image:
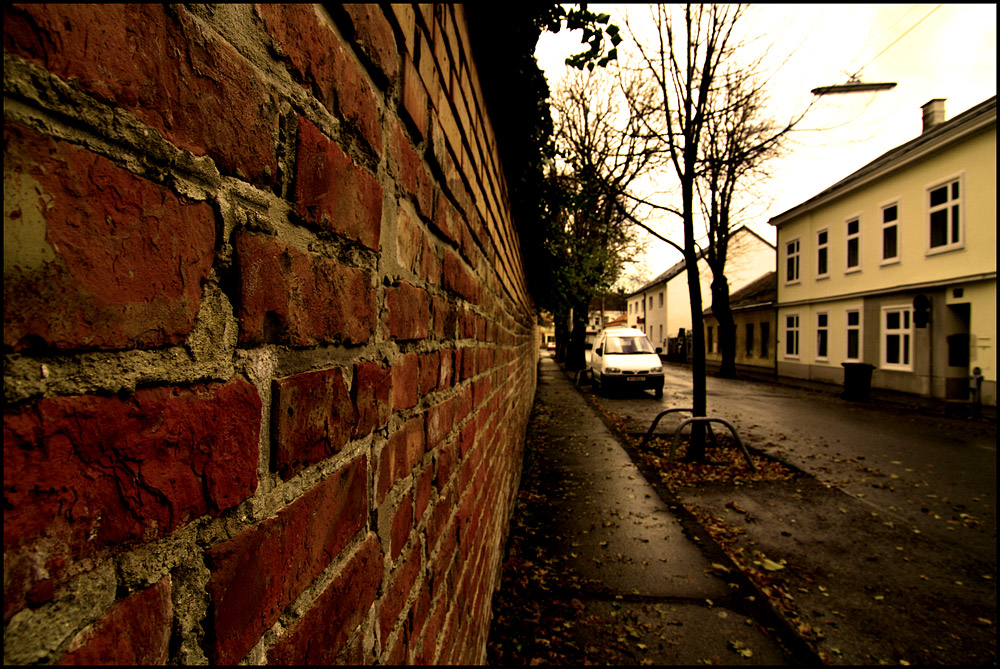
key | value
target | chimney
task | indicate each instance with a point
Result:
(933, 113)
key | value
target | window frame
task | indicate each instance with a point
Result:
(906, 332)
(798, 260)
(847, 339)
(792, 335)
(848, 238)
(897, 203)
(929, 210)
(824, 249)
(825, 339)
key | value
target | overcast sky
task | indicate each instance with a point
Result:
(929, 51)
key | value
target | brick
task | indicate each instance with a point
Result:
(404, 450)
(320, 636)
(430, 371)
(319, 59)
(157, 73)
(408, 312)
(95, 257)
(423, 495)
(333, 192)
(371, 395)
(259, 572)
(404, 382)
(440, 418)
(401, 526)
(409, 241)
(398, 591)
(447, 369)
(470, 359)
(373, 35)
(313, 418)
(134, 631)
(86, 473)
(426, 651)
(415, 98)
(299, 299)
(443, 317)
(446, 459)
(413, 175)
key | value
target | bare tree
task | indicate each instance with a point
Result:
(600, 154)
(738, 142)
(682, 63)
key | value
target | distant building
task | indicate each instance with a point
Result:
(895, 265)
(753, 308)
(662, 308)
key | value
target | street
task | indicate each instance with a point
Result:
(891, 540)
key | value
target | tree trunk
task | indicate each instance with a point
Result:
(723, 313)
(562, 336)
(576, 355)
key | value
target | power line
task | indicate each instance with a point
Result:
(897, 40)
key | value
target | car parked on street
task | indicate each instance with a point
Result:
(625, 358)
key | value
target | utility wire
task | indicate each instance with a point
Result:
(896, 40)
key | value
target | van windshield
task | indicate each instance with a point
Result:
(626, 345)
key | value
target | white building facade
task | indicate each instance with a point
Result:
(895, 266)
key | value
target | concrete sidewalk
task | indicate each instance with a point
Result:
(648, 579)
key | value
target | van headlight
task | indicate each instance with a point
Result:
(612, 370)
(656, 370)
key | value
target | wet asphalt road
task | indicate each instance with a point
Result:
(917, 468)
(897, 522)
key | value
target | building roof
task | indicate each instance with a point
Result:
(679, 267)
(969, 121)
(759, 293)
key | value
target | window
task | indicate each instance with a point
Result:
(822, 336)
(853, 336)
(661, 298)
(650, 301)
(792, 261)
(749, 338)
(661, 331)
(854, 244)
(945, 204)
(896, 338)
(822, 254)
(765, 339)
(890, 233)
(792, 335)
(708, 339)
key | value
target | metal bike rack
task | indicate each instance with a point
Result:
(697, 419)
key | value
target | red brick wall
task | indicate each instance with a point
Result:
(268, 346)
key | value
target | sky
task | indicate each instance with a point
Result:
(929, 51)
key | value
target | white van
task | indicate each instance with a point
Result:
(624, 357)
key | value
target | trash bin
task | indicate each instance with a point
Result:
(857, 381)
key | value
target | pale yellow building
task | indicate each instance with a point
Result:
(662, 307)
(909, 235)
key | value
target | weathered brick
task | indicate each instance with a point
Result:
(404, 450)
(393, 601)
(313, 417)
(409, 240)
(259, 572)
(413, 175)
(415, 98)
(300, 299)
(371, 395)
(446, 459)
(408, 311)
(157, 73)
(320, 60)
(134, 631)
(430, 371)
(87, 473)
(440, 419)
(320, 635)
(404, 382)
(447, 369)
(95, 257)
(373, 34)
(333, 192)
(401, 526)
(423, 495)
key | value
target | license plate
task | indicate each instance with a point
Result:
(637, 378)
